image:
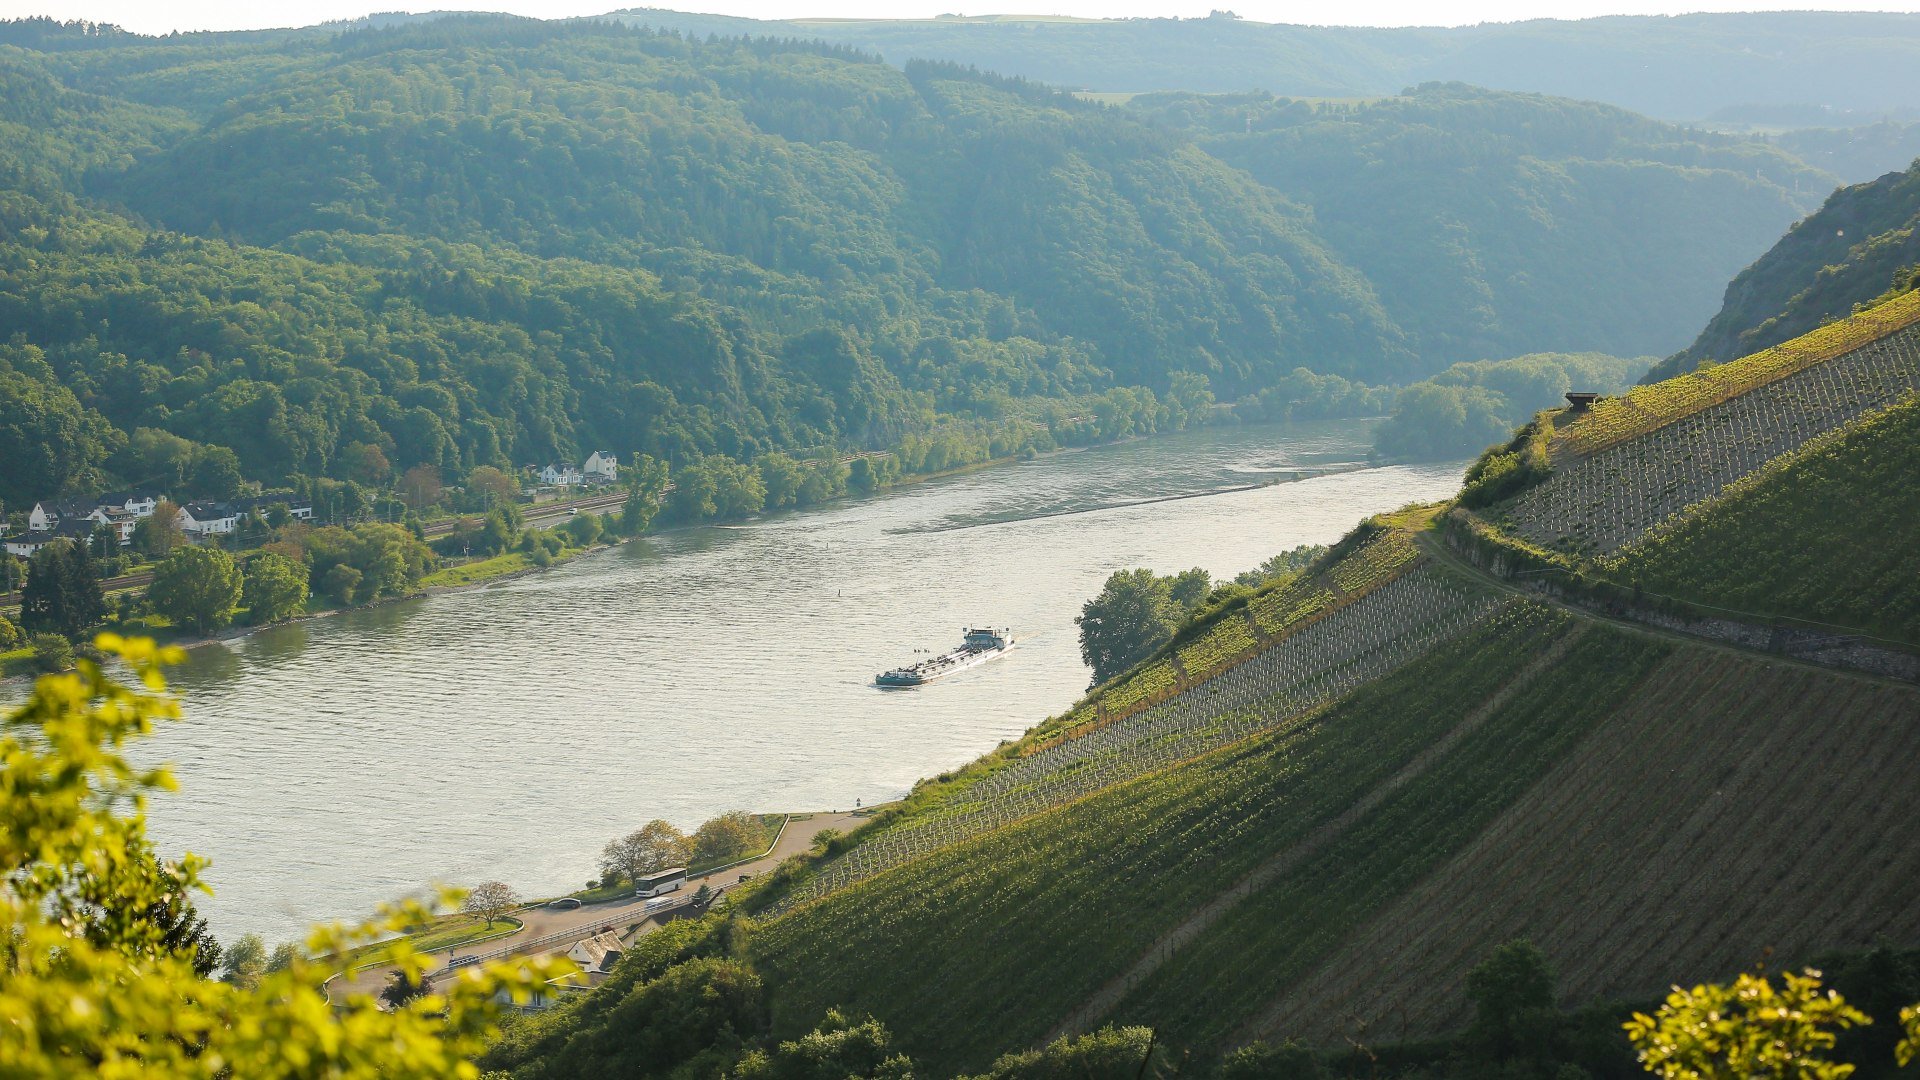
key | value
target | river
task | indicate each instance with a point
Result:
(508, 732)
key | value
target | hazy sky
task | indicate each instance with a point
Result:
(158, 16)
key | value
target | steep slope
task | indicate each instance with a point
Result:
(1481, 216)
(1848, 253)
(1320, 806)
(1270, 887)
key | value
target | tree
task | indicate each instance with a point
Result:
(404, 988)
(1133, 615)
(183, 931)
(1107, 1054)
(1748, 1029)
(157, 534)
(341, 583)
(216, 473)
(837, 1049)
(1262, 1061)
(488, 487)
(1285, 564)
(197, 587)
(246, 961)
(10, 636)
(646, 486)
(275, 589)
(284, 956)
(420, 486)
(1512, 995)
(1189, 587)
(490, 900)
(62, 594)
(366, 463)
(583, 529)
(655, 846)
(51, 652)
(725, 838)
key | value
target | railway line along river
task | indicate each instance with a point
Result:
(508, 732)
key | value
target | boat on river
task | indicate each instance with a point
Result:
(977, 647)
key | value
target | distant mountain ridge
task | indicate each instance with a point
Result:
(1857, 66)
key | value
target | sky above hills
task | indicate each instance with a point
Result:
(146, 16)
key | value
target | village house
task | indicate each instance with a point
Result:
(601, 468)
(204, 519)
(561, 476)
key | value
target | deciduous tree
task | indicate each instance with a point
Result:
(197, 587)
(725, 838)
(652, 847)
(490, 900)
(1133, 615)
(276, 588)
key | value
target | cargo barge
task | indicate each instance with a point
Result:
(977, 647)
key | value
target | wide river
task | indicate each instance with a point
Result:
(508, 732)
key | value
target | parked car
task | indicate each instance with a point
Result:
(565, 903)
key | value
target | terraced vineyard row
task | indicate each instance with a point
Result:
(1670, 846)
(1388, 627)
(1595, 505)
(1615, 419)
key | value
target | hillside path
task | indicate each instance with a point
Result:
(1163, 948)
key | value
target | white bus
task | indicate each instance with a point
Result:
(663, 881)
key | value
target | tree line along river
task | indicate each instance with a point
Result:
(509, 731)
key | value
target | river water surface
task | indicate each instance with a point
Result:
(508, 732)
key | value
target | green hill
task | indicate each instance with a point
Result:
(1321, 806)
(1486, 219)
(1859, 244)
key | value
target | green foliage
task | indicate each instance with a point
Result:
(1823, 534)
(1281, 566)
(10, 635)
(51, 652)
(1513, 1007)
(583, 529)
(1470, 406)
(839, 1049)
(276, 588)
(1504, 471)
(197, 587)
(62, 594)
(726, 837)
(97, 985)
(1746, 1029)
(1134, 614)
(1111, 1053)
(1262, 1061)
(51, 443)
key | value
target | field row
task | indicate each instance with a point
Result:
(1671, 846)
(1598, 504)
(1645, 408)
(1366, 639)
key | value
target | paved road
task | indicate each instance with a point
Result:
(541, 922)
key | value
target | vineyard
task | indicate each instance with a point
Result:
(1766, 545)
(1613, 420)
(986, 943)
(1218, 985)
(1597, 504)
(1732, 806)
(1368, 638)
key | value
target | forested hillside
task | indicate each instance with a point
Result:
(1863, 242)
(492, 241)
(472, 241)
(1486, 220)
(1844, 67)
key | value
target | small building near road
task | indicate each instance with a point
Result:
(601, 468)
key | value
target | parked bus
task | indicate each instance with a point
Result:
(664, 881)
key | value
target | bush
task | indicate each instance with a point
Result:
(10, 636)
(51, 652)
